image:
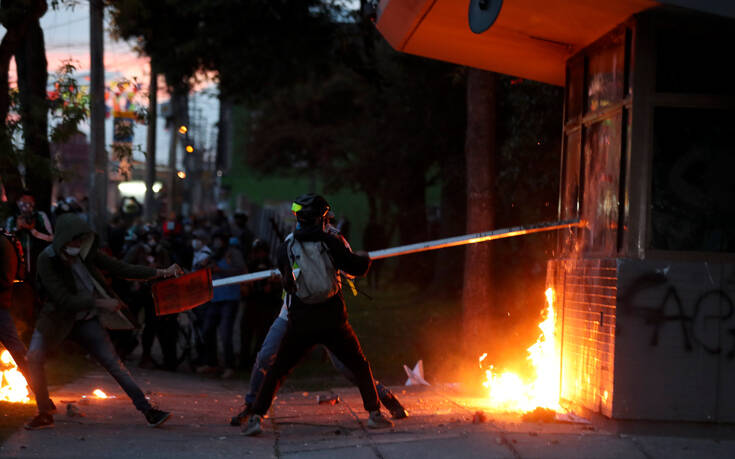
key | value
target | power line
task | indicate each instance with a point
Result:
(64, 24)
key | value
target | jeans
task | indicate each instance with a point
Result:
(92, 337)
(10, 339)
(267, 355)
(220, 315)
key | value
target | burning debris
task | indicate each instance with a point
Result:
(508, 392)
(13, 386)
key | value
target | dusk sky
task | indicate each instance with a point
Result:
(66, 32)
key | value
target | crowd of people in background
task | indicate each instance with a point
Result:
(83, 284)
(220, 242)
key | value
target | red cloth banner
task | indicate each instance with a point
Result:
(182, 293)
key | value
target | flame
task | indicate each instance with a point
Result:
(99, 394)
(13, 386)
(509, 392)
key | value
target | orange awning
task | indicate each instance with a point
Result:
(530, 38)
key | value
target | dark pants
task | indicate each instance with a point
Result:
(220, 315)
(298, 341)
(9, 338)
(259, 313)
(267, 355)
(166, 329)
(93, 338)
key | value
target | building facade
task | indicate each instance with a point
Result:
(646, 289)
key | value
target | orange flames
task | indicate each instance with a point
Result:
(13, 386)
(509, 392)
(99, 394)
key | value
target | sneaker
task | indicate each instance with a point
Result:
(378, 421)
(156, 417)
(229, 373)
(238, 419)
(253, 426)
(397, 411)
(41, 421)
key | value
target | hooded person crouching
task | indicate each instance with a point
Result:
(76, 303)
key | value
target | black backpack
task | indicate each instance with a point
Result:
(20, 274)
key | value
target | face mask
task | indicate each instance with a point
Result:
(72, 251)
(26, 208)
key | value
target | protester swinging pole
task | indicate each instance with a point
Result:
(424, 246)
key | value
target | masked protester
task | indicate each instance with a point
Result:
(221, 311)
(268, 348)
(33, 228)
(149, 251)
(316, 308)
(76, 304)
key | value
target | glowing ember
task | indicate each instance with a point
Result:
(509, 392)
(13, 386)
(99, 394)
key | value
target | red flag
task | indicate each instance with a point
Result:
(182, 293)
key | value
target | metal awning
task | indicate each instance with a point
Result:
(530, 38)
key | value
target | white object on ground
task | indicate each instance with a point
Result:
(416, 376)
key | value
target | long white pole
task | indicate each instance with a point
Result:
(423, 247)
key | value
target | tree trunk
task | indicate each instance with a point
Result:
(11, 42)
(448, 271)
(150, 156)
(98, 154)
(179, 116)
(480, 151)
(32, 66)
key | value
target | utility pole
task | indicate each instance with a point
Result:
(98, 155)
(150, 157)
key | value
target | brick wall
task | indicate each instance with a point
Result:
(586, 297)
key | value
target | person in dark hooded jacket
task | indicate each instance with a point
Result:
(76, 303)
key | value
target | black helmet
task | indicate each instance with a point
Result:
(310, 207)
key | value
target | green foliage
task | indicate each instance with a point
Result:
(374, 124)
(67, 105)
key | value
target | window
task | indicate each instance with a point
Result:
(693, 184)
(600, 204)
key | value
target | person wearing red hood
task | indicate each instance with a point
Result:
(77, 303)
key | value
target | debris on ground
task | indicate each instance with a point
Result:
(73, 411)
(571, 418)
(539, 415)
(331, 399)
(479, 417)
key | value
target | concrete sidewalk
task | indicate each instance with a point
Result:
(440, 426)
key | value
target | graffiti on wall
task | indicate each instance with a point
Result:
(702, 320)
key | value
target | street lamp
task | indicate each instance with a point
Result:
(183, 129)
